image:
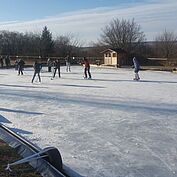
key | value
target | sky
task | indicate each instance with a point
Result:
(85, 19)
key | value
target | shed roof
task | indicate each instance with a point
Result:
(118, 50)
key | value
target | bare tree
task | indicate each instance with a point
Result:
(166, 44)
(15, 43)
(9, 42)
(31, 44)
(66, 45)
(124, 34)
(97, 48)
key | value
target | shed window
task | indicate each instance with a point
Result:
(114, 55)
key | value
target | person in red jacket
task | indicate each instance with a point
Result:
(87, 68)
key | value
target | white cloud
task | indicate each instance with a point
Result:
(7, 22)
(153, 17)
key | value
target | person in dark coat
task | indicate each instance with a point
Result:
(87, 68)
(56, 67)
(1, 61)
(7, 61)
(20, 65)
(37, 68)
(136, 66)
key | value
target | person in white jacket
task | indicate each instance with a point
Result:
(68, 63)
(136, 68)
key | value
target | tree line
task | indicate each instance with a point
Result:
(36, 44)
(125, 34)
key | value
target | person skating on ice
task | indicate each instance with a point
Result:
(56, 67)
(68, 63)
(87, 68)
(37, 68)
(20, 66)
(49, 64)
(2, 62)
(136, 68)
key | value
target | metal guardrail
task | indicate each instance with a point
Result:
(49, 166)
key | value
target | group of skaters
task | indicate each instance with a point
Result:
(38, 66)
(86, 63)
(19, 65)
(56, 67)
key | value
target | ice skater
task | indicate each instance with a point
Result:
(7, 61)
(68, 63)
(136, 68)
(37, 68)
(2, 62)
(20, 66)
(16, 64)
(87, 68)
(56, 67)
(49, 64)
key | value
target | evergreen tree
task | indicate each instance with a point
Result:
(47, 44)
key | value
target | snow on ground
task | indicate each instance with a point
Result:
(110, 126)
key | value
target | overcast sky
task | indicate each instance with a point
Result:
(86, 18)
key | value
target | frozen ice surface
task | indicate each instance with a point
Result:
(110, 126)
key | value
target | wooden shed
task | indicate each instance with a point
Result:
(114, 57)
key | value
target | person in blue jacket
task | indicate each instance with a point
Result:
(136, 66)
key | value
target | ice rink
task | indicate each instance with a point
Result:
(110, 126)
